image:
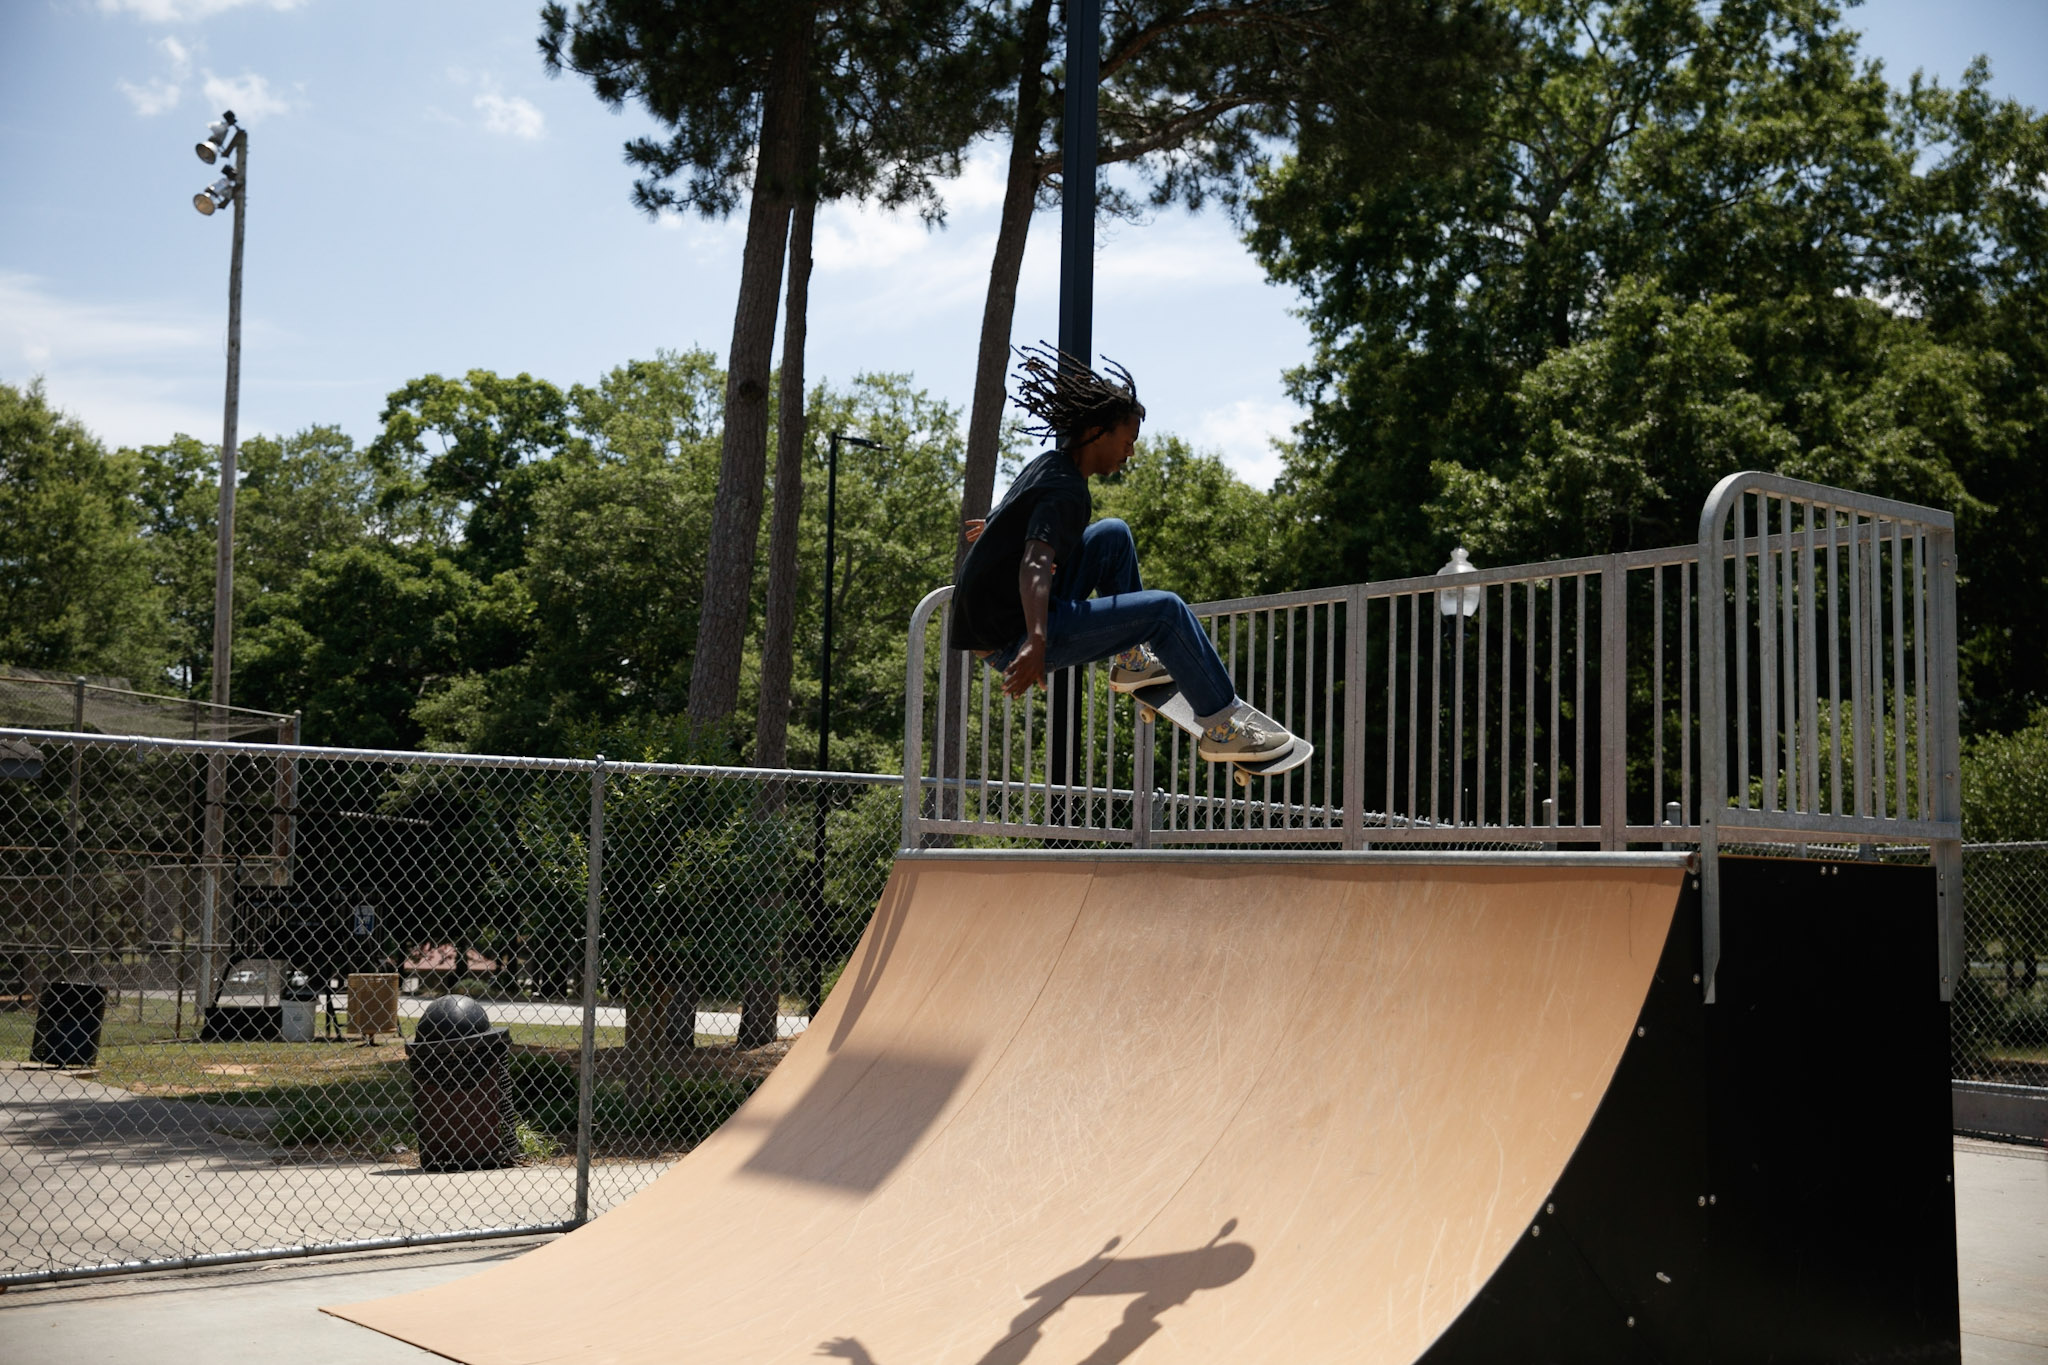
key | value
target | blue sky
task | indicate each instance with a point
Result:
(424, 199)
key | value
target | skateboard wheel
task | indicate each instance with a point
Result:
(1244, 779)
(1147, 714)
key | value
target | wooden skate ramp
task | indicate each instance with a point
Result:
(1159, 1108)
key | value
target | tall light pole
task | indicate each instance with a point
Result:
(233, 187)
(222, 138)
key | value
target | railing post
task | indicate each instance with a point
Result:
(1353, 683)
(1141, 779)
(913, 717)
(586, 1079)
(1613, 704)
(1713, 626)
(1948, 796)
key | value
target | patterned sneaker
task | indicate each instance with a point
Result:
(1245, 736)
(1136, 667)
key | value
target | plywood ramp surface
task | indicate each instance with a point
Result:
(1066, 1111)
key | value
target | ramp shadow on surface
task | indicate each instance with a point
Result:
(859, 1119)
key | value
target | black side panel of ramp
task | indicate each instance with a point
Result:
(1768, 1179)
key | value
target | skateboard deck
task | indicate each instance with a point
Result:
(1165, 700)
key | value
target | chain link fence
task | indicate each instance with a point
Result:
(235, 985)
(1999, 1027)
(34, 700)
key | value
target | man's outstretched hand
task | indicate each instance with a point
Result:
(974, 525)
(1027, 670)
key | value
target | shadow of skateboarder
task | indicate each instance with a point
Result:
(1160, 1282)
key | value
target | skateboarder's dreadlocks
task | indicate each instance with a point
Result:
(1071, 401)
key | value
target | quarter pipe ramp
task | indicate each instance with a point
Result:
(1095, 1108)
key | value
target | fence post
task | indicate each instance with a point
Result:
(587, 1063)
(72, 812)
(1948, 795)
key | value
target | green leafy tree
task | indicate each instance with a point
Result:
(1194, 97)
(597, 626)
(473, 453)
(1693, 238)
(1201, 531)
(176, 491)
(359, 640)
(895, 535)
(79, 595)
(747, 93)
(297, 495)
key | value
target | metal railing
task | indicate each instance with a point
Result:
(1830, 678)
(651, 934)
(1799, 687)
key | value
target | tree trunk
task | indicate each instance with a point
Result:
(1020, 196)
(992, 360)
(760, 1004)
(743, 452)
(679, 1010)
(778, 631)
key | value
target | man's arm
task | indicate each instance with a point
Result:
(1034, 589)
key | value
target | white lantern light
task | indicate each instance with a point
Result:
(1458, 601)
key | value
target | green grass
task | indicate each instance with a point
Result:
(350, 1098)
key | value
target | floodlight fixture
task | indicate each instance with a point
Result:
(220, 138)
(218, 195)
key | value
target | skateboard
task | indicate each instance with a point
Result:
(1165, 699)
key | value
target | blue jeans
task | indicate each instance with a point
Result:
(1101, 607)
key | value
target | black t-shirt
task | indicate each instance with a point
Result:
(1049, 501)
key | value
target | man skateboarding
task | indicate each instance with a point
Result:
(1043, 588)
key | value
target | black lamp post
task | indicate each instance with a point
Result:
(831, 560)
(817, 940)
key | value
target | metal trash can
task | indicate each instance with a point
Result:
(68, 1019)
(296, 1011)
(372, 1003)
(461, 1088)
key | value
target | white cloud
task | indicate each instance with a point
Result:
(161, 94)
(248, 94)
(117, 367)
(1244, 432)
(151, 97)
(37, 327)
(186, 11)
(510, 115)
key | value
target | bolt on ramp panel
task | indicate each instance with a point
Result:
(1171, 1110)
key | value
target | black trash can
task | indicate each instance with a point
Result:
(68, 1017)
(461, 1088)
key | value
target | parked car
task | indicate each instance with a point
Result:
(262, 981)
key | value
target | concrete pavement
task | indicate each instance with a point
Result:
(92, 1174)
